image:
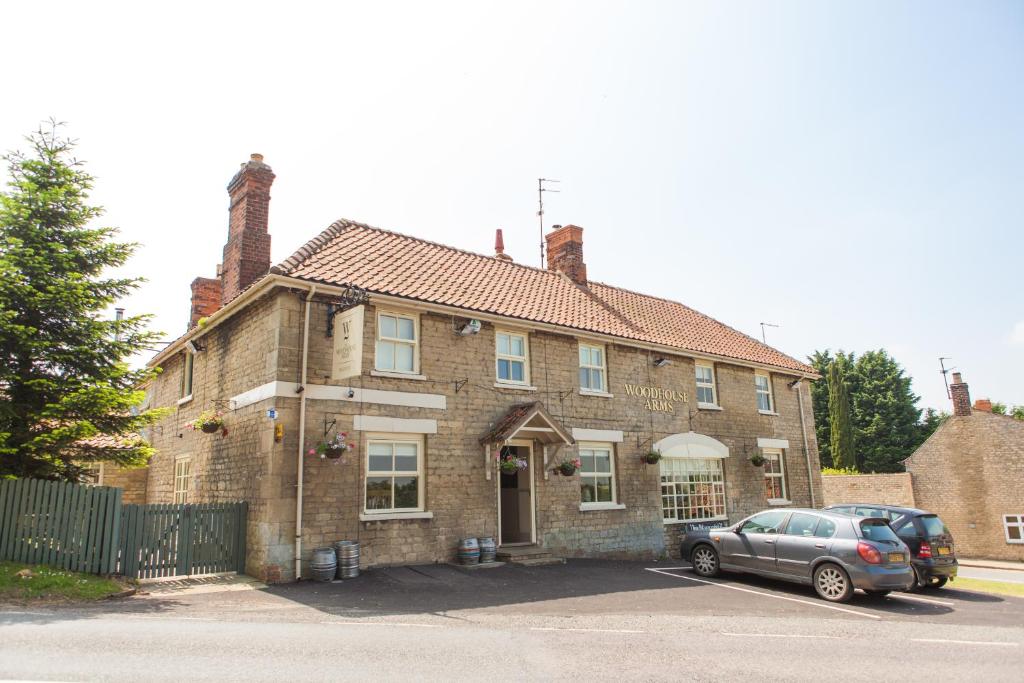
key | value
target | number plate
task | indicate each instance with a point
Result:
(943, 551)
(896, 557)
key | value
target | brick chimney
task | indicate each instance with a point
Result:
(499, 247)
(565, 252)
(961, 396)
(983, 405)
(247, 252)
(206, 296)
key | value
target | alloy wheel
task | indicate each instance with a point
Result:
(831, 582)
(704, 561)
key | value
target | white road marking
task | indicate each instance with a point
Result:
(775, 635)
(823, 605)
(964, 642)
(587, 630)
(379, 623)
(931, 601)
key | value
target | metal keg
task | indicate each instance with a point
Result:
(323, 564)
(488, 549)
(469, 551)
(348, 559)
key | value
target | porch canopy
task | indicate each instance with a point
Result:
(526, 421)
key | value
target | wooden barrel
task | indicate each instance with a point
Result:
(469, 551)
(348, 559)
(488, 549)
(323, 564)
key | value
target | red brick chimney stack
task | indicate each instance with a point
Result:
(206, 296)
(961, 396)
(499, 247)
(565, 252)
(247, 252)
(983, 405)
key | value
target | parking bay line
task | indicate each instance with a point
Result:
(665, 571)
(930, 601)
(587, 630)
(776, 635)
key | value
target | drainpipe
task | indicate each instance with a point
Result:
(302, 438)
(803, 430)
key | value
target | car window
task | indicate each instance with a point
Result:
(826, 528)
(764, 523)
(877, 530)
(873, 512)
(933, 526)
(908, 530)
(801, 524)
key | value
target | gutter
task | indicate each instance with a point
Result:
(302, 436)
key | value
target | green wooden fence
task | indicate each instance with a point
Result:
(69, 526)
(87, 529)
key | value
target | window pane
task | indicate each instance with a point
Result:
(764, 522)
(596, 358)
(588, 493)
(388, 326)
(517, 346)
(378, 493)
(603, 461)
(604, 489)
(762, 402)
(380, 457)
(503, 344)
(705, 395)
(801, 524)
(406, 329)
(825, 528)
(503, 369)
(586, 460)
(406, 492)
(403, 357)
(584, 378)
(405, 457)
(584, 355)
(761, 381)
(1013, 532)
(517, 371)
(597, 380)
(385, 355)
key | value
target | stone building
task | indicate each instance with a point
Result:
(432, 363)
(971, 473)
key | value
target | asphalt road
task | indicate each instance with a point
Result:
(585, 620)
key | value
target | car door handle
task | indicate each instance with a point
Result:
(819, 545)
(769, 541)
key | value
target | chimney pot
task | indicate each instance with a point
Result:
(499, 247)
(958, 390)
(256, 157)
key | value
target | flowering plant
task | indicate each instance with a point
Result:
(334, 447)
(509, 463)
(757, 460)
(652, 457)
(209, 421)
(568, 467)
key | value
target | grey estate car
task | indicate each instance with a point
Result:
(832, 551)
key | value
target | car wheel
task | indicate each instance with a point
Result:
(936, 581)
(705, 560)
(877, 594)
(832, 583)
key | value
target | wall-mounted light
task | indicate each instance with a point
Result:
(193, 347)
(472, 327)
(661, 362)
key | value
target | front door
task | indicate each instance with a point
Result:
(516, 499)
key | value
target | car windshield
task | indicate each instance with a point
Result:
(877, 530)
(933, 526)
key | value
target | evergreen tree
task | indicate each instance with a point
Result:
(821, 361)
(999, 408)
(841, 442)
(67, 396)
(885, 411)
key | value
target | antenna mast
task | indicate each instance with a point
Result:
(764, 325)
(540, 210)
(945, 373)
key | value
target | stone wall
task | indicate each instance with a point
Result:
(971, 473)
(132, 482)
(883, 489)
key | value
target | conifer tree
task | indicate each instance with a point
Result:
(841, 443)
(67, 395)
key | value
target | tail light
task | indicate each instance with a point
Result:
(869, 553)
(925, 551)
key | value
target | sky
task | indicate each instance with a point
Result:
(852, 172)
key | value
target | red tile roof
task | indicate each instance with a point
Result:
(386, 262)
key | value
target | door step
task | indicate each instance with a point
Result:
(527, 555)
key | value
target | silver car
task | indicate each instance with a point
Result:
(832, 551)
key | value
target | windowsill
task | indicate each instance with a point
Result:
(591, 392)
(779, 501)
(694, 521)
(397, 375)
(511, 385)
(384, 516)
(185, 399)
(708, 406)
(768, 412)
(587, 507)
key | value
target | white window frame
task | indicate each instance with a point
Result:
(94, 467)
(716, 482)
(1019, 524)
(603, 368)
(396, 341)
(524, 359)
(188, 376)
(705, 385)
(379, 438)
(764, 392)
(772, 454)
(594, 504)
(182, 478)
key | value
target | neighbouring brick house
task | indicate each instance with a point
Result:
(971, 473)
(435, 361)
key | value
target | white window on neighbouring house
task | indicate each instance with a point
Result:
(1013, 525)
(763, 386)
(706, 397)
(188, 364)
(774, 474)
(597, 473)
(513, 357)
(592, 368)
(692, 489)
(397, 343)
(394, 474)
(92, 473)
(182, 479)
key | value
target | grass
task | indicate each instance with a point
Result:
(996, 587)
(49, 585)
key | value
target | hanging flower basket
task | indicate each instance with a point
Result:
(757, 460)
(651, 457)
(567, 468)
(333, 448)
(510, 464)
(208, 422)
